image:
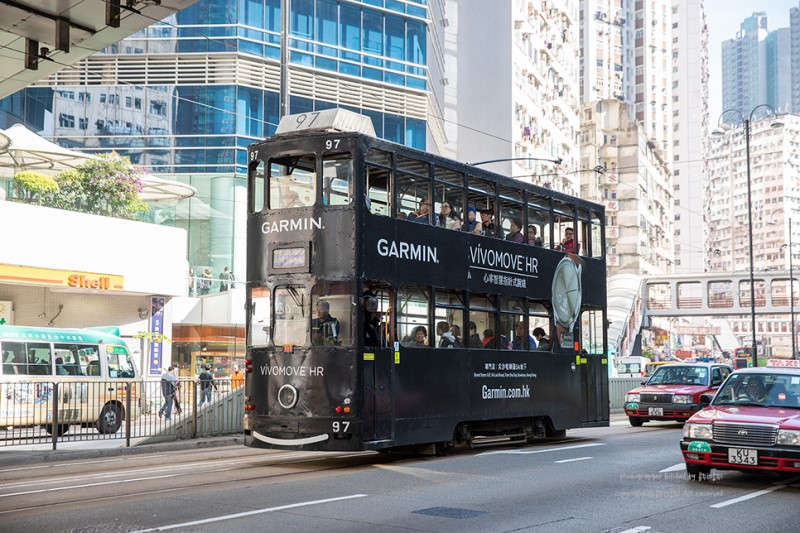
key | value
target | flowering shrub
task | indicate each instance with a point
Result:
(108, 185)
(34, 188)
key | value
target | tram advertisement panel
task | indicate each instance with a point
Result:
(410, 252)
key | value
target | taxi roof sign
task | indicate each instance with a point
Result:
(786, 363)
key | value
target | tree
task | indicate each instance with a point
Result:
(34, 188)
(107, 185)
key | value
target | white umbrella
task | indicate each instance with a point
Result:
(155, 189)
(25, 150)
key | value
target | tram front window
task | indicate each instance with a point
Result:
(292, 182)
(290, 317)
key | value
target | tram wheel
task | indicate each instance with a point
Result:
(636, 421)
(60, 429)
(443, 448)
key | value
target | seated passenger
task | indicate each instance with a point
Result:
(568, 244)
(60, 370)
(423, 214)
(474, 339)
(420, 337)
(446, 339)
(473, 224)
(515, 231)
(489, 227)
(533, 239)
(542, 342)
(489, 341)
(448, 219)
(522, 341)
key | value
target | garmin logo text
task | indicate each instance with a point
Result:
(407, 250)
(298, 224)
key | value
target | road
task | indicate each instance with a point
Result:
(597, 480)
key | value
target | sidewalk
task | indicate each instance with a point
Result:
(11, 456)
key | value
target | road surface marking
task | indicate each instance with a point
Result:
(250, 513)
(777, 486)
(675, 468)
(525, 452)
(571, 460)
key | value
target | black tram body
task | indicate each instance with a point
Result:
(350, 396)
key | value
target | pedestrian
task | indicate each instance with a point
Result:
(192, 283)
(225, 280)
(169, 385)
(205, 281)
(207, 384)
(237, 377)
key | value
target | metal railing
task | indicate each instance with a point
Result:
(54, 412)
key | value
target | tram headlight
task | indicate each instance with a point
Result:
(287, 396)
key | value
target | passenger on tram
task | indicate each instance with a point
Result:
(446, 339)
(448, 219)
(490, 229)
(402, 216)
(372, 321)
(474, 339)
(533, 239)
(455, 329)
(473, 224)
(420, 336)
(325, 328)
(568, 245)
(542, 342)
(423, 214)
(488, 339)
(515, 231)
(522, 341)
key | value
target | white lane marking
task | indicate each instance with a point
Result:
(526, 452)
(778, 486)
(674, 468)
(250, 513)
(747, 497)
(637, 529)
(571, 460)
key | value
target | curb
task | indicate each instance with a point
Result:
(27, 457)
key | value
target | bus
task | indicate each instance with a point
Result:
(55, 378)
(371, 325)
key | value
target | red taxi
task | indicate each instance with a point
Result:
(753, 423)
(673, 392)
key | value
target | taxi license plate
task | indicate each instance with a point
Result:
(742, 456)
(655, 411)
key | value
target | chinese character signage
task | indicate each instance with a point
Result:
(156, 326)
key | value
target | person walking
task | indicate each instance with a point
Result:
(207, 384)
(237, 378)
(225, 280)
(169, 385)
(205, 281)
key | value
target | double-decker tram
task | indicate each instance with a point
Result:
(398, 298)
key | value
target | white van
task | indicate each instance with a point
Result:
(631, 367)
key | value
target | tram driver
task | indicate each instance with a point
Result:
(325, 328)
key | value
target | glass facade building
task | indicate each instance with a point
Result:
(184, 97)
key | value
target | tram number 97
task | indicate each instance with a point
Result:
(340, 427)
(332, 144)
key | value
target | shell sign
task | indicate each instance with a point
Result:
(60, 278)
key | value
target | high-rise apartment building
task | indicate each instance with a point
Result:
(689, 133)
(774, 208)
(757, 66)
(517, 90)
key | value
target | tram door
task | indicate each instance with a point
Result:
(378, 393)
(594, 382)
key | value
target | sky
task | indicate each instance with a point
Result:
(724, 18)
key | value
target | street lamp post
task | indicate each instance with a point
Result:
(791, 291)
(718, 132)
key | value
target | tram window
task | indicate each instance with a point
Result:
(453, 198)
(449, 318)
(378, 316)
(539, 217)
(379, 182)
(597, 236)
(412, 316)
(331, 309)
(291, 321)
(539, 317)
(583, 232)
(259, 334)
(483, 313)
(513, 333)
(413, 166)
(413, 195)
(292, 182)
(337, 176)
(256, 187)
(565, 229)
(511, 214)
(592, 331)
